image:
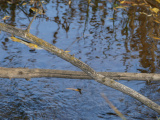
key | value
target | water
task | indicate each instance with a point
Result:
(107, 39)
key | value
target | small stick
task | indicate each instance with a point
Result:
(113, 107)
(27, 30)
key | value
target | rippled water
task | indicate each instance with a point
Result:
(107, 39)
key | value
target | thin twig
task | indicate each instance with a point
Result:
(28, 28)
(113, 107)
(74, 42)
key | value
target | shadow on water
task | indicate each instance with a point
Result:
(100, 34)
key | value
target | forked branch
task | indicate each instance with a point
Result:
(76, 62)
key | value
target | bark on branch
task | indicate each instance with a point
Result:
(38, 73)
(84, 67)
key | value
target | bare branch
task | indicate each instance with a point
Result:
(84, 67)
(38, 73)
(28, 28)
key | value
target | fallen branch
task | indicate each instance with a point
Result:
(38, 73)
(84, 67)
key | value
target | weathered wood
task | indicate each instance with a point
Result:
(38, 73)
(84, 67)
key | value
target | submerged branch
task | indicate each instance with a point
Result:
(84, 67)
(113, 107)
(38, 73)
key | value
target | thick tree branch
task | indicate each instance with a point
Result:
(84, 67)
(38, 73)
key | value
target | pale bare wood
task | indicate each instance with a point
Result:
(84, 67)
(38, 73)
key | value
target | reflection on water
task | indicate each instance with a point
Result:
(101, 35)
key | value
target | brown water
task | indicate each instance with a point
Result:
(106, 38)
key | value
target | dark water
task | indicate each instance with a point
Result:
(122, 44)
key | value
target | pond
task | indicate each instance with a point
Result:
(107, 35)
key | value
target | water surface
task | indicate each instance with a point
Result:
(106, 38)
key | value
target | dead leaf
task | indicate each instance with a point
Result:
(15, 39)
(24, 4)
(134, 4)
(156, 21)
(6, 17)
(111, 18)
(34, 9)
(40, 11)
(9, 2)
(33, 46)
(158, 1)
(30, 45)
(126, 2)
(155, 10)
(123, 7)
(79, 90)
(69, 2)
(155, 38)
